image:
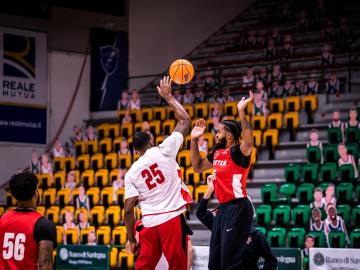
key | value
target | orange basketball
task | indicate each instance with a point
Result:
(181, 71)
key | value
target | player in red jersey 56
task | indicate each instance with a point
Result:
(154, 182)
(27, 238)
(230, 160)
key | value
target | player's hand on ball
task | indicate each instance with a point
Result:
(244, 102)
(164, 87)
(199, 129)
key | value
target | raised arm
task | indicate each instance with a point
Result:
(247, 136)
(45, 257)
(130, 221)
(199, 164)
(182, 116)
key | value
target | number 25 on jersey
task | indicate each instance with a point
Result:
(153, 176)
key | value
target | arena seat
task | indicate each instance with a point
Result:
(159, 139)
(120, 115)
(119, 235)
(258, 122)
(138, 126)
(336, 239)
(346, 173)
(116, 144)
(300, 215)
(291, 119)
(276, 237)
(183, 158)
(49, 197)
(355, 215)
(276, 105)
(310, 172)
(113, 216)
(88, 177)
(63, 211)
(59, 179)
(159, 113)
(344, 192)
(107, 196)
(201, 110)
(274, 121)
(155, 127)
(353, 149)
(72, 236)
(209, 137)
(352, 135)
(205, 174)
(83, 162)
(120, 197)
(257, 134)
(92, 147)
(113, 175)
(191, 176)
(330, 153)
(263, 214)
(45, 180)
(63, 197)
(105, 145)
(271, 137)
(191, 190)
(253, 156)
(84, 234)
(170, 113)
(113, 257)
(77, 213)
(135, 115)
(168, 126)
(261, 229)
(10, 200)
(313, 154)
(126, 130)
(287, 191)
(147, 114)
(319, 238)
(39, 209)
(52, 213)
(114, 131)
(69, 163)
(111, 161)
(295, 237)
(281, 215)
(199, 192)
(97, 215)
(328, 172)
(59, 163)
(343, 210)
(304, 193)
(97, 161)
(230, 108)
(126, 260)
(355, 238)
(292, 173)
(190, 110)
(93, 194)
(309, 103)
(334, 135)
(292, 104)
(59, 234)
(103, 131)
(102, 178)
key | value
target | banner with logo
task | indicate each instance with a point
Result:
(334, 259)
(23, 80)
(82, 257)
(109, 68)
(288, 258)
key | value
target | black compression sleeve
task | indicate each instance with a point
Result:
(238, 157)
(45, 229)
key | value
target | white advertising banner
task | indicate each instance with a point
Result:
(334, 259)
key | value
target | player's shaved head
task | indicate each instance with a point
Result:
(23, 186)
(141, 140)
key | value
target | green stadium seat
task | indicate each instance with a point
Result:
(281, 215)
(343, 210)
(357, 192)
(262, 230)
(352, 135)
(300, 215)
(355, 238)
(292, 173)
(346, 173)
(353, 149)
(319, 238)
(313, 154)
(310, 172)
(323, 185)
(355, 216)
(304, 193)
(276, 237)
(344, 192)
(328, 172)
(287, 191)
(334, 135)
(330, 153)
(336, 239)
(269, 193)
(263, 214)
(295, 238)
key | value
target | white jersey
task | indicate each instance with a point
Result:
(154, 177)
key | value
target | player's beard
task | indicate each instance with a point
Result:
(221, 144)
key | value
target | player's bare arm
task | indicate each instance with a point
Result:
(130, 221)
(199, 164)
(247, 137)
(45, 257)
(182, 116)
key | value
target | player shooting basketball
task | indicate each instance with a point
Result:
(231, 163)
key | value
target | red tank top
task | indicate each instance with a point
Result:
(230, 178)
(17, 244)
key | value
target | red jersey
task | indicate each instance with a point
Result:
(230, 178)
(18, 247)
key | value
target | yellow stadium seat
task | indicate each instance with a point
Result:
(102, 178)
(59, 179)
(112, 215)
(83, 162)
(201, 110)
(103, 131)
(105, 145)
(97, 161)
(138, 127)
(77, 213)
(309, 103)
(292, 120)
(84, 234)
(209, 137)
(209, 124)
(119, 235)
(88, 177)
(75, 194)
(2, 210)
(71, 236)
(116, 144)
(257, 134)
(124, 160)
(120, 197)
(147, 114)
(92, 147)
(271, 136)
(103, 235)
(120, 114)
(136, 156)
(292, 104)
(39, 200)
(111, 161)
(276, 105)
(114, 131)
(93, 194)
(97, 215)
(113, 257)
(249, 108)
(181, 173)
(159, 139)
(69, 163)
(258, 122)
(190, 110)
(80, 147)
(49, 197)
(135, 115)
(205, 174)
(59, 234)
(192, 177)
(137, 212)
(52, 213)
(126, 260)
(39, 209)
(159, 113)
(107, 196)
(200, 191)
(64, 197)
(113, 175)
(45, 180)
(10, 200)
(170, 113)
(155, 127)
(253, 156)
(77, 177)
(274, 120)
(184, 158)
(64, 210)
(168, 126)
(59, 163)
(127, 130)
(230, 108)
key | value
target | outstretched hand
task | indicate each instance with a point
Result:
(164, 87)
(244, 102)
(199, 129)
